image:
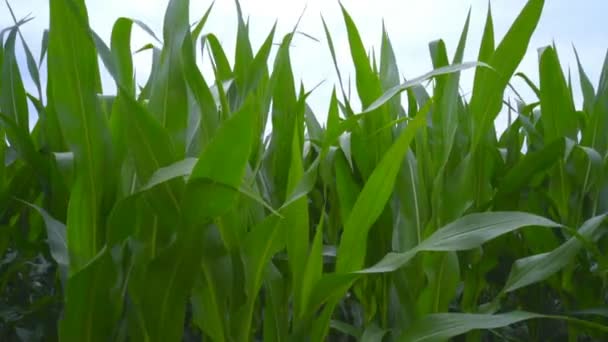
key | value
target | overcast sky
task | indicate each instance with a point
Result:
(411, 25)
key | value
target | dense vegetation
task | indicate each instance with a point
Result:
(165, 213)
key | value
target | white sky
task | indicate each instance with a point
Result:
(411, 25)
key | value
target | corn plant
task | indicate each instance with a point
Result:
(165, 212)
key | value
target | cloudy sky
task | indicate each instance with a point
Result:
(411, 25)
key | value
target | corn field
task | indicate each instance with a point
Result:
(192, 208)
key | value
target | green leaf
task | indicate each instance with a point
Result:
(295, 225)
(146, 89)
(313, 127)
(73, 69)
(234, 135)
(327, 289)
(256, 81)
(368, 83)
(486, 50)
(211, 189)
(474, 229)
(168, 96)
(151, 148)
(445, 117)
(489, 85)
(104, 54)
(369, 141)
(121, 54)
(314, 266)
(530, 165)
(305, 184)
(161, 292)
(372, 200)
(441, 326)
(389, 71)
(206, 116)
(196, 31)
(44, 46)
(13, 101)
(373, 333)
(442, 278)
(56, 239)
(536, 268)
(92, 307)
(598, 117)
(214, 285)
(222, 69)
(389, 94)
(243, 54)
(468, 232)
(529, 83)
(557, 106)
(332, 51)
(286, 112)
(182, 168)
(413, 204)
(22, 142)
(332, 131)
(347, 187)
(32, 67)
(260, 244)
(124, 219)
(349, 329)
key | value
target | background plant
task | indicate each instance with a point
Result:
(165, 212)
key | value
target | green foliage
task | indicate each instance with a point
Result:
(164, 212)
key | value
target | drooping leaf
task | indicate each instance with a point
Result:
(468, 232)
(441, 326)
(57, 240)
(539, 267)
(389, 94)
(182, 168)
